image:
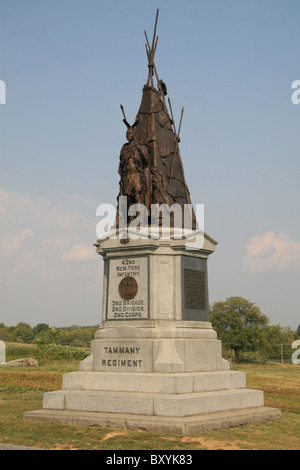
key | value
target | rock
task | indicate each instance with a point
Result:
(27, 362)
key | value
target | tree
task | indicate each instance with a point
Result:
(23, 333)
(239, 324)
(48, 336)
(274, 337)
(5, 333)
(40, 327)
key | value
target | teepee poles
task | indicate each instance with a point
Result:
(177, 137)
(151, 52)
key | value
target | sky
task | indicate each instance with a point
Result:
(68, 65)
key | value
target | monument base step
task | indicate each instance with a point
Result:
(182, 425)
(154, 383)
(186, 404)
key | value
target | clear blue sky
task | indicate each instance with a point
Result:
(68, 65)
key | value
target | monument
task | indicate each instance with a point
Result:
(156, 363)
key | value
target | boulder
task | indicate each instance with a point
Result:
(26, 362)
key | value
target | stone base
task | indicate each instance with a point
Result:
(184, 425)
(208, 394)
(183, 403)
(156, 362)
(183, 384)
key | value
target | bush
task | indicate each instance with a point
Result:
(57, 352)
(45, 353)
(18, 351)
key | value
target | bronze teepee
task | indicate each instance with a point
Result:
(150, 169)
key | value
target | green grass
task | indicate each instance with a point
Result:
(22, 390)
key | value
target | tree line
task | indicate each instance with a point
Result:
(43, 334)
(245, 332)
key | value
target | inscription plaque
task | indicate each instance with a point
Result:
(127, 297)
(194, 289)
(124, 355)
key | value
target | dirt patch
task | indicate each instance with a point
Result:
(211, 444)
(66, 447)
(112, 434)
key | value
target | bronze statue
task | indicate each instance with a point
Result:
(134, 172)
(151, 170)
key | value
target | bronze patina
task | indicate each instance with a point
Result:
(128, 288)
(150, 169)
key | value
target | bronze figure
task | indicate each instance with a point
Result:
(151, 170)
(134, 172)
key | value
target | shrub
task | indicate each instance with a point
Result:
(45, 353)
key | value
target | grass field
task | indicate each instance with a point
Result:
(22, 389)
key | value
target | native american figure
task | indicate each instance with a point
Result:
(135, 179)
(150, 168)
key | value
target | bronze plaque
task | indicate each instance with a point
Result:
(194, 289)
(128, 288)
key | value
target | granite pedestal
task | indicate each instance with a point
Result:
(155, 363)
